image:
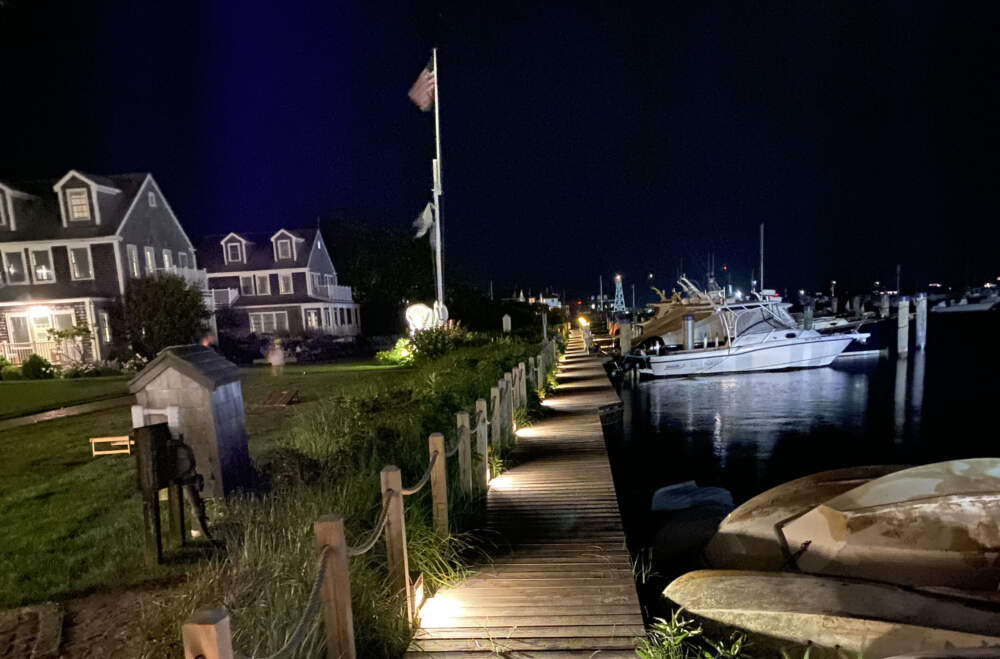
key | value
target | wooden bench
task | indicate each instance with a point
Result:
(113, 445)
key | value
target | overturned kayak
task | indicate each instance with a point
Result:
(873, 619)
(936, 525)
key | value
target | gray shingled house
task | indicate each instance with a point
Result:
(280, 283)
(67, 248)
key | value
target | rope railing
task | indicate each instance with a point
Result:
(407, 491)
(207, 634)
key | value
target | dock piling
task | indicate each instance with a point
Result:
(921, 304)
(903, 327)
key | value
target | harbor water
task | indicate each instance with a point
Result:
(749, 432)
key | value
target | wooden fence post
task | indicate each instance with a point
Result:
(496, 438)
(395, 535)
(439, 484)
(483, 473)
(508, 404)
(146, 449)
(207, 635)
(464, 452)
(522, 381)
(338, 620)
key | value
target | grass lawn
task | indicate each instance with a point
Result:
(71, 522)
(21, 397)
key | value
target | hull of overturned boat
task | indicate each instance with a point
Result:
(772, 352)
(871, 619)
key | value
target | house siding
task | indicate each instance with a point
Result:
(154, 227)
(80, 318)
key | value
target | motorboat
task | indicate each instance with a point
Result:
(722, 335)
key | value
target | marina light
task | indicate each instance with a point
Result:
(802, 291)
(739, 294)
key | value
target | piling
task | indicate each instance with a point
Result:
(883, 307)
(903, 327)
(833, 304)
(625, 337)
(807, 317)
(921, 304)
(688, 332)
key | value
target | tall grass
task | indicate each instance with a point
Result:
(329, 461)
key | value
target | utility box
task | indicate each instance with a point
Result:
(206, 388)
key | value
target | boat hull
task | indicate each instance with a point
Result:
(767, 356)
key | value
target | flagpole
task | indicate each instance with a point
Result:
(437, 184)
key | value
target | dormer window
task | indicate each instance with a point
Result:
(79, 204)
(284, 249)
(233, 253)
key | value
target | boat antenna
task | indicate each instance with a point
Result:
(761, 257)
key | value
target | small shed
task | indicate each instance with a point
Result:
(206, 387)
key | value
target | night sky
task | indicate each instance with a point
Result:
(578, 139)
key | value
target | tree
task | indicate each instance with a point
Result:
(161, 311)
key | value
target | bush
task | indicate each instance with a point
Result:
(10, 372)
(401, 354)
(323, 348)
(90, 372)
(36, 367)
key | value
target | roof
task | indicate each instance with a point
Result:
(38, 217)
(277, 300)
(260, 252)
(201, 364)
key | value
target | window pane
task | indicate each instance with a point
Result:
(79, 208)
(312, 318)
(284, 249)
(263, 285)
(79, 258)
(233, 250)
(167, 263)
(43, 265)
(150, 260)
(19, 329)
(326, 317)
(105, 324)
(269, 324)
(285, 283)
(133, 260)
(342, 321)
(15, 268)
(246, 285)
(281, 320)
(182, 259)
(255, 323)
(63, 321)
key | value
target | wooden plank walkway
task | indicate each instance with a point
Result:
(563, 587)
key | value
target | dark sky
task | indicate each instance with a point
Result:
(579, 139)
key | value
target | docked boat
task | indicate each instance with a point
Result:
(717, 335)
(969, 303)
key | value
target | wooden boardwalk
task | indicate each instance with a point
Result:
(564, 585)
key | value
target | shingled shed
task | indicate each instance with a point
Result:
(206, 388)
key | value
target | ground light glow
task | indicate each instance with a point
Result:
(439, 611)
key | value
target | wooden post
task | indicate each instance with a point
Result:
(483, 472)
(395, 535)
(522, 379)
(145, 461)
(545, 325)
(533, 372)
(464, 452)
(921, 304)
(508, 404)
(175, 514)
(439, 484)
(903, 327)
(207, 635)
(883, 307)
(338, 620)
(495, 423)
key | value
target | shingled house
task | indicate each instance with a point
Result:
(280, 283)
(68, 247)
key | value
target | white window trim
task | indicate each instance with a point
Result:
(252, 285)
(168, 260)
(69, 204)
(291, 285)
(3, 210)
(134, 265)
(24, 265)
(52, 264)
(90, 262)
(151, 198)
(149, 259)
(182, 259)
(256, 284)
(287, 244)
(275, 314)
(239, 248)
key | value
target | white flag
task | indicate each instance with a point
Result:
(424, 221)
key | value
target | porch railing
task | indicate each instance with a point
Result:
(18, 353)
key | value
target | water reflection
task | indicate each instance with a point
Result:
(899, 401)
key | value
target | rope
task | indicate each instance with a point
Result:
(452, 451)
(376, 532)
(308, 613)
(407, 491)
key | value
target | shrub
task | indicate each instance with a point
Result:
(11, 372)
(90, 372)
(400, 355)
(36, 367)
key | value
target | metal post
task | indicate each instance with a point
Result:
(464, 452)
(921, 321)
(395, 535)
(688, 332)
(338, 619)
(437, 181)
(439, 483)
(903, 327)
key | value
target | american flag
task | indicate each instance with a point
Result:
(422, 91)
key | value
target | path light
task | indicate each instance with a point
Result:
(583, 321)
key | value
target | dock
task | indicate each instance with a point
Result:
(560, 583)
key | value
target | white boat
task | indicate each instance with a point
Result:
(755, 335)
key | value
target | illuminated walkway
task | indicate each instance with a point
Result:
(563, 586)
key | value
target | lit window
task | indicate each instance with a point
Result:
(269, 322)
(13, 265)
(167, 263)
(284, 249)
(182, 259)
(233, 254)
(105, 326)
(79, 263)
(246, 285)
(263, 285)
(133, 260)
(312, 318)
(151, 199)
(285, 284)
(79, 204)
(41, 265)
(150, 260)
